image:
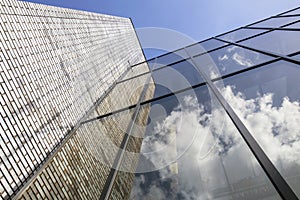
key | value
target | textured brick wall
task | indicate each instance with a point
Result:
(55, 63)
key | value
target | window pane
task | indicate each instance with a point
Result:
(267, 100)
(130, 91)
(229, 59)
(296, 25)
(297, 56)
(171, 58)
(175, 77)
(282, 42)
(295, 12)
(136, 70)
(191, 150)
(276, 22)
(240, 34)
(203, 47)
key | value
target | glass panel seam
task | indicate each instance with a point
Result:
(275, 55)
(275, 177)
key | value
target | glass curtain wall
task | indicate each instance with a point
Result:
(225, 115)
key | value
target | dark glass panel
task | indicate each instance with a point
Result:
(175, 77)
(170, 78)
(267, 100)
(282, 42)
(171, 58)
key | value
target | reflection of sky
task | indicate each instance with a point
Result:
(279, 78)
(217, 160)
(230, 59)
(286, 42)
(207, 167)
(267, 100)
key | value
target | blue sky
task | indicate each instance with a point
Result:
(199, 19)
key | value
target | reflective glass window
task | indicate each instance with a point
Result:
(175, 77)
(267, 100)
(295, 12)
(203, 47)
(229, 59)
(276, 22)
(297, 56)
(171, 58)
(130, 91)
(296, 25)
(282, 42)
(138, 69)
(240, 34)
(190, 150)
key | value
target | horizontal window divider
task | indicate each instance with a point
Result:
(275, 55)
(281, 29)
(187, 88)
(259, 34)
(288, 11)
(145, 102)
(174, 63)
(294, 15)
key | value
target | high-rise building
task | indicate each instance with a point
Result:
(60, 67)
(84, 116)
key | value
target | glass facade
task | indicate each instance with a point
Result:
(231, 130)
(218, 119)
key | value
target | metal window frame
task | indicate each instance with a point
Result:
(189, 88)
(110, 181)
(271, 171)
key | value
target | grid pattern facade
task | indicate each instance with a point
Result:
(255, 61)
(259, 62)
(55, 65)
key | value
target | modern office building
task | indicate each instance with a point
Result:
(84, 116)
(236, 118)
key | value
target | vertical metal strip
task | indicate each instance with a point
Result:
(278, 181)
(106, 192)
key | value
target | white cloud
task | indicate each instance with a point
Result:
(201, 169)
(225, 57)
(275, 128)
(232, 49)
(241, 60)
